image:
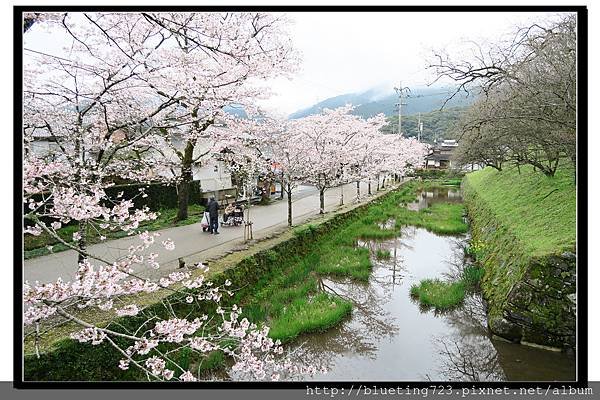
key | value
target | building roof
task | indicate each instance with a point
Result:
(449, 143)
(438, 157)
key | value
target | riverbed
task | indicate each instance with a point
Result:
(390, 337)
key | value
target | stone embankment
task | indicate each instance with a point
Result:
(529, 287)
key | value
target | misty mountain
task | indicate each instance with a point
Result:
(236, 110)
(373, 102)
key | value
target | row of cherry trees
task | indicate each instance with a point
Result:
(131, 94)
(129, 97)
(326, 150)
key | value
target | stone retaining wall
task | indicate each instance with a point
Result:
(530, 299)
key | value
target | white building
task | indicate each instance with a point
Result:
(213, 175)
(440, 156)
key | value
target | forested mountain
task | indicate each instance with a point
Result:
(372, 102)
(436, 124)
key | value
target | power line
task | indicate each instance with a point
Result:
(420, 128)
(400, 92)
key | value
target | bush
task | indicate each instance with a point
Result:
(160, 196)
(439, 174)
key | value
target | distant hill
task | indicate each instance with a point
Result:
(236, 109)
(373, 102)
(436, 124)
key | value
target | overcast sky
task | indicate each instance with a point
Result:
(346, 52)
(349, 52)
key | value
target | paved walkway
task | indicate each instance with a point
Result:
(190, 242)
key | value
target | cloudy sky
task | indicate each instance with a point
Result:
(346, 52)
(352, 51)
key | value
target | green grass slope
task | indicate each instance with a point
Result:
(523, 228)
(539, 210)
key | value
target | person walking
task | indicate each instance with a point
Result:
(213, 212)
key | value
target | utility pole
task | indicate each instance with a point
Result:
(400, 92)
(420, 129)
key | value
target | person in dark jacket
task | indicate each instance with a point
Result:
(213, 212)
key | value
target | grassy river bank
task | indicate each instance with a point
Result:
(279, 285)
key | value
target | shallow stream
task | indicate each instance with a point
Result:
(389, 337)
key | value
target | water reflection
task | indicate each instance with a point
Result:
(435, 195)
(468, 358)
(388, 337)
(388, 225)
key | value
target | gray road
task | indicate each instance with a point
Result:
(190, 242)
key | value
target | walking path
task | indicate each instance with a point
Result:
(191, 244)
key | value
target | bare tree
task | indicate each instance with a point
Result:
(527, 97)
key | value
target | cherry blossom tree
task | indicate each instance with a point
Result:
(395, 154)
(284, 148)
(92, 108)
(217, 60)
(97, 108)
(328, 147)
(287, 148)
(243, 151)
(364, 145)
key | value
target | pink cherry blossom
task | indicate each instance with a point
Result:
(130, 310)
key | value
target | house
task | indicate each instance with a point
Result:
(440, 156)
(43, 143)
(213, 174)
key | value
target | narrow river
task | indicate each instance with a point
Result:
(389, 337)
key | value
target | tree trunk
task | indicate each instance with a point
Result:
(369, 186)
(289, 196)
(266, 194)
(378, 182)
(248, 224)
(383, 182)
(282, 186)
(82, 241)
(342, 195)
(183, 198)
(357, 190)
(183, 187)
(322, 201)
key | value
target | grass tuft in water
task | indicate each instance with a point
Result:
(346, 261)
(309, 315)
(383, 254)
(472, 275)
(439, 294)
(445, 295)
